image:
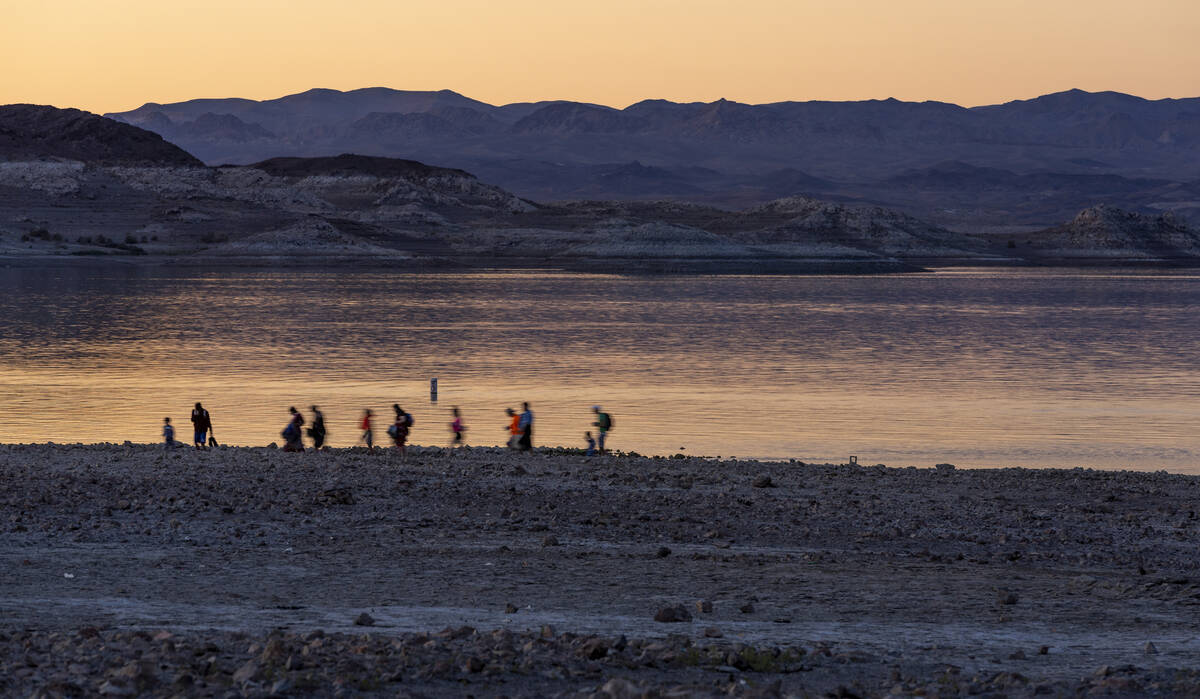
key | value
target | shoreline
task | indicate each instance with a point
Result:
(632, 267)
(813, 577)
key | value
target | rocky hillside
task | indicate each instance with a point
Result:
(1107, 232)
(36, 132)
(118, 198)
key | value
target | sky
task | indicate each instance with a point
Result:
(118, 54)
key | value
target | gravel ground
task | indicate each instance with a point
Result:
(127, 569)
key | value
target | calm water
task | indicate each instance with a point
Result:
(975, 367)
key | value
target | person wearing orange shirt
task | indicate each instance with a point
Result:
(514, 428)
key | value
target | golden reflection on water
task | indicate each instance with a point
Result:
(976, 367)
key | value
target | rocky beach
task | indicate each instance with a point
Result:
(132, 570)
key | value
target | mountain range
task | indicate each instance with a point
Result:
(1027, 163)
(74, 183)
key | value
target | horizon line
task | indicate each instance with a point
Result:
(647, 99)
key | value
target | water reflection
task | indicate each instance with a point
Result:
(979, 367)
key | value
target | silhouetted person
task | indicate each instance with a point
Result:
(368, 435)
(317, 431)
(591, 444)
(201, 424)
(169, 435)
(400, 429)
(291, 434)
(603, 424)
(514, 428)
(526, 425)
(456, 428)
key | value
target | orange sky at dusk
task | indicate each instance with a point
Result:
(116, 55)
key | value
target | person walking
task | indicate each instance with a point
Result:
(368, 435)
(293, 441)
(317, 431)
(591, 444)
(456, 428)
(514, 428)
(525, 443)
(603, 424)
(201, 424)
(400, 429)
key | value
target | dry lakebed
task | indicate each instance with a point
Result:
(130, 570)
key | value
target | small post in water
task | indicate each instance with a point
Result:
(433, 390)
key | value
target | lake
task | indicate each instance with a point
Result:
(978, 367)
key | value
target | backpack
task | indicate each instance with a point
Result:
(606, 421)
(392, 430)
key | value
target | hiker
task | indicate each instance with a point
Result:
(201, 424)
(367, 436)
(317, 431)
(456, 428)
(591, 444)
(168, 433)
(514, 427)
(603, 424)
(292, 433)
(525, 443)
(400, 429)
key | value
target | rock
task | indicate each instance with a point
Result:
(662, 552)
(704, 607)
(619, 688)
(116, 689)
(713, 632)
(473, 665)
(274, 651)
(746, 608)
(248, 672)
(550, 541)
(677, 613)
(364, 619)
(1044, 650)
(1017, 655)
(1150, 648)
(593, 649)
(944, 467)
(763, 481)
(138, 675)
(510, 608)
(547, 632)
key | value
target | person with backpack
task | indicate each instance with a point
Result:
(201, 424)
(292, 433)
(317, 431)
(603, 424)
(400, 429)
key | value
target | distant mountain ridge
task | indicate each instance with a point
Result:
(1080, 148)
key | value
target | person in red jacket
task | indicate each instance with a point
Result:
(367, 436)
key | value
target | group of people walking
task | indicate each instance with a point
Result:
(519, 428)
